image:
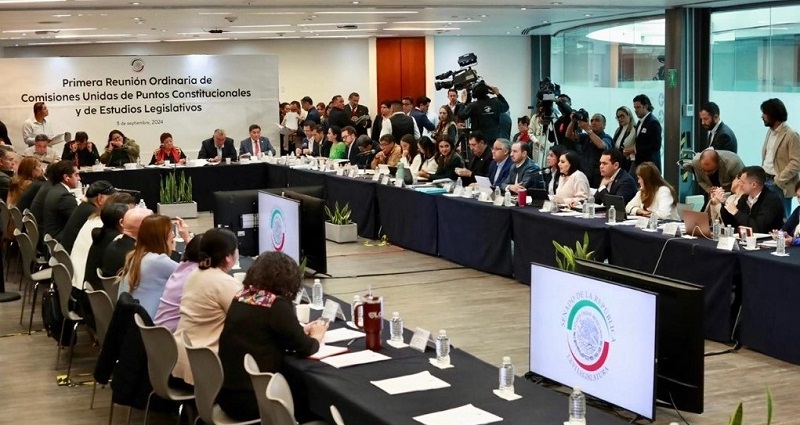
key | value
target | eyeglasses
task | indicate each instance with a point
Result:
(619, 117)
(406, 104)
(384, 144)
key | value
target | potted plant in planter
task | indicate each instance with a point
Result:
(176, 197)
(566, 256)
(339, 228)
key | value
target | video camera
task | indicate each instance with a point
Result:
(581, 115)
(464, 78)
(547, 94)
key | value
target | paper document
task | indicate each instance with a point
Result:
(327, 351)
(567, 214)
(422, 381)
(357, 358)
(769, 244)
(341, 334)
(464, 415)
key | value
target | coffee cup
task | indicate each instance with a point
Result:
(303, 312)
(751, 242)
(228, 161)
(522, 198)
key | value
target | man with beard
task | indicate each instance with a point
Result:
(720, 136)
(781, 152)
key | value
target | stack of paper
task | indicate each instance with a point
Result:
(341, 334)
(327, 351)
(357, 358)
(422, 381)
(464, 415)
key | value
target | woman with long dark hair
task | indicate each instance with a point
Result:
(446, 125)
(411, 158)
(119, 150)
(447, 160)
(551, 171)
(573, 185)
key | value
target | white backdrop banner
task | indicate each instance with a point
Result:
(187, 96)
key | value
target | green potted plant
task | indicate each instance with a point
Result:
(566, 256)
(176, 196)
(340, 228)
(738, 417)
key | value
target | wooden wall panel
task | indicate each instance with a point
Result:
(400, 67)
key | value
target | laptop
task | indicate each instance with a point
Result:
(538, 197)
(697, 223)
(618, 203)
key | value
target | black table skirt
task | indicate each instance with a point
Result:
(296, 178)
(360, 194)
(534, 233)
(475, 234)
(145, 180)
(770, 293)
(691, 260)
(408, 218)
(276, 175)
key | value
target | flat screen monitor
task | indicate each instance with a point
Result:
(596, 335)
(278, 224)
(312, 233)
(680, 371)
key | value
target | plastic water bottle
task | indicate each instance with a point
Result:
(401, 172)
(577, 406)
(356, 300)
(443, 348)
(316, 294)
(459, 184)
(141, 204)
(497, 194)
(728, 231)
(652, 222)
(585, 209)
(507, 199)
(592, 209)
(780, 243)
(611, 215)
(507, 376)
(396, 328)
(715, 229)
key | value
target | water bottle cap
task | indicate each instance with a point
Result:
(395, 314)
(442, 332)
(506, 359)
(356, 297)
(316, 281)
(576, 390)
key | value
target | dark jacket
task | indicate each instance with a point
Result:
(312, 115)
(82, 157)
(479, 165)
(623, 185)
(4, 134)
(338, 118)
(792, 222)
(402, 124)
(114, 255)
(724, 139)
(528, 174)
(208, 150)
(764, 216)
(501, 178)
(361, 110)
(101, 238)
(58, 207)
(448, 171)
(485, 115)
(422, 120)
(37, 205)
(74, 224)
(26, 199)
(377, 126)
(648, 142)
(5, 181)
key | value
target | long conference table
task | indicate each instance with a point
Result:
(505, 240)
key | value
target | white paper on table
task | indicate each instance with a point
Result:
(769, 244)
(327, 351)
(341, 334)
(422, 381)
(356, 358)
(568, 214)
(464, 415)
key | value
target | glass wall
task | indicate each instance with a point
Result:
(755, 55)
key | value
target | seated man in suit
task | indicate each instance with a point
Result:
(349, 139)
(615, 180)
(218, 148)
(256, 143)
(501, 165)
(365, 151)
(390, 153)
(481, 159)
(525, 174)
(759, 207)
(60, 202)
(114, 256)
(715, 168)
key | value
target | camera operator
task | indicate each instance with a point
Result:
(591, 142)
(485, 111)
(564, 104)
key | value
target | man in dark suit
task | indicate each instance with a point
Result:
(648, 133)
(311, 112)
(525, 174)
(96, 196)
(501, 165)
(615, 180)
(314, 144)
(759, 207)
(256, 143)
(452, 101)
(114, 256)
(349, 139)
(420, 114)
(218, 148)
(720, 136)
(480, 162)
(358, 114)
(337, 116)
(402, 124)
(60, 202)
(366, 152)
(7, 159)
(377, 125)
(715, 168)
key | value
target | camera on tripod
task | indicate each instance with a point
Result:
(547, 94)
(464, 78)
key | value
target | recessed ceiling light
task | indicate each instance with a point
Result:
(516, 27)
(134, 3)
(523, 8)
(508, 32)
(62, 16)
(588, 15)
(355, 2)
(483, 16)
(545, 22)
(556, 3)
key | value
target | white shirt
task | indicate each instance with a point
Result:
(661, 206)
(31, 128)
(641, 124)
(415, 165)
(386, 127)
(430, 165)
(713, 132)
(769, 156)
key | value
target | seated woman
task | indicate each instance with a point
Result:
(262, 321)
(411, 158)
(148, 266)
(28, 170)
(792, 225)
(207, 295)
(655, 195)
(573, 186)
(338, 150)
(167, 152)
(111, 217)
(551, 172)
(119, 150)
(446, 161)
(427, 150)
(169, 306)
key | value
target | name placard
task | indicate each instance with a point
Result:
(331, 311)
(376, 176)
(385, 180)
(671, 229)
(726, 243)
(419, 341)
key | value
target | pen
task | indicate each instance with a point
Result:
(351, 341)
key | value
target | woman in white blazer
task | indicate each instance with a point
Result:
(655, 195)
(573, 186)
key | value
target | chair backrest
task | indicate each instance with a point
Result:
(27, 250)
(29, 213)
(31, 228)
(4, 217)
(281, 407)
(16, 218)
(50, 242)
(260, 381)
(103, 310)
(680, 208)
(110, 285)
(63, 282)
(337, 417)
(696, 201)
(62, 256)
(162, 354)
(208, 376)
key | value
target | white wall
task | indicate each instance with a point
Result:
(504, 62)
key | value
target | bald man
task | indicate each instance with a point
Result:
(114, 257)
(714, 168)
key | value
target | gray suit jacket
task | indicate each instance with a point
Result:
(730, 165)
(787, 159)
(246, 146)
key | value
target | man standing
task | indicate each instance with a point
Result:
(311, 112)
(41, 151)
(720, 136)
(452, 101)
(81, 151)
(389, 154)
(485, 111)
(337, 117)
(7, 161)
(759, 207)
(524, 174)
(37, 125)
(781, 152)
(616, 181)
(359, 114)
(381, 124)
(60, 202)
(648, 134)
(4, 138)
(217, 148)
(256, 143)
(96, 196)
(349, 139)
(591, 143)
(714, 168)
(480, 162)
(401, 124)
(501, 165)
(420, 114)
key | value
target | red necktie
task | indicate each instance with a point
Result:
(256, 146)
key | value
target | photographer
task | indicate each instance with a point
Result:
(591, 142)
(485, 111)
(564, 104)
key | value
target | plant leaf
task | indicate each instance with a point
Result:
(736, 419)
(769, 406)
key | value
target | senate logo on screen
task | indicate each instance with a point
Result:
(278, 227)
(590, 335)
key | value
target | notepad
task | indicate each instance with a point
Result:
(327, 351)
(341, 334)
(464, 415)
(422, 381)
(353, 359)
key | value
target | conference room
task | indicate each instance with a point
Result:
(418, 249)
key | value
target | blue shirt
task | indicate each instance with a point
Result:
(156, 269)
